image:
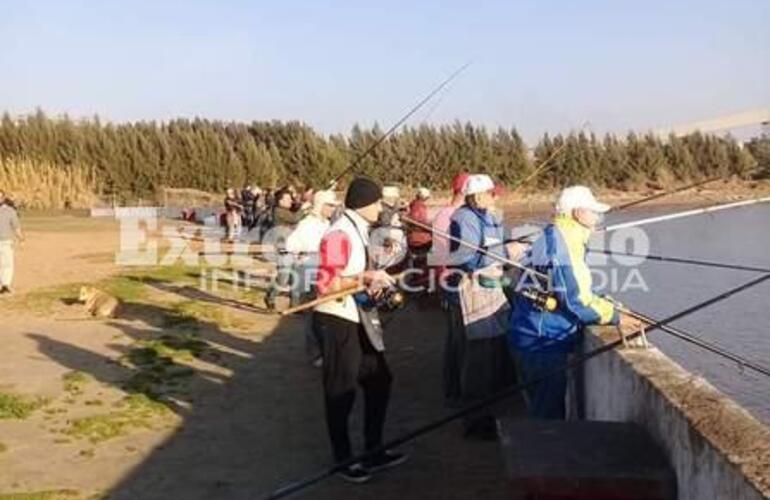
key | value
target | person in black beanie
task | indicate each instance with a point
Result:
(352, 344)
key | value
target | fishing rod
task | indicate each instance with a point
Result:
(703, 344)
(675, 332)
(624, 206)
(630, 204)
(679, 215)
(400, 122)
(679, 260)
(500, 395)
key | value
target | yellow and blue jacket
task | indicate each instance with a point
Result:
(559, 253)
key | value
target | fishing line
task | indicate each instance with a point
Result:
(400, 122)
(577, 361)
(679, 260)
(703, 344)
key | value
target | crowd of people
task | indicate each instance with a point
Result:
(353, 252)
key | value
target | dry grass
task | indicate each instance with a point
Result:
(44, 186)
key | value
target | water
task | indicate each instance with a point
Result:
(740, 323)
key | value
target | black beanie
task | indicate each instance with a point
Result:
(362, 192)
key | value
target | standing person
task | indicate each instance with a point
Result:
(481, 364)
(283, 216)
(353, 349)
(233, 209)
(542, 340)
(418, 238)
(303, 243)
(439, 257)
(10, 234)
(247, 202)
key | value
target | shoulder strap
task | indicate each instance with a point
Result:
(360, 236)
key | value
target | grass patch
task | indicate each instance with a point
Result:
(14, 406)
(74, 381)
(136, 411)
(3, 448)
(41, 495)
(43, 301)
(156, 362)
(189, 311)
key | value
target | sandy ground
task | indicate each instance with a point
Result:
(247, 420)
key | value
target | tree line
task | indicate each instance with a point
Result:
(136, 159)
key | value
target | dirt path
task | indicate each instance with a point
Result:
(242, 408)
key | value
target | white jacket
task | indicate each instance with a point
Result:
(306, 237)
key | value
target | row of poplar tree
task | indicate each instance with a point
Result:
(135, 159)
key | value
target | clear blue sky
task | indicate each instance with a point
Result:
(538, 65)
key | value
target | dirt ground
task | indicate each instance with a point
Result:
(241, 408)
(243, 417)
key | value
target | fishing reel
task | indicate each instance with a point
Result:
(391, 299)
(542, 300)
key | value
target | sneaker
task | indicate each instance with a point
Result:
(355, 474)
(385, 460)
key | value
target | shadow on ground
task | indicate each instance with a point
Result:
(252, 410)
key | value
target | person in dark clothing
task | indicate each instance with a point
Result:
(283, 216)
(247, 201)
(352, 343)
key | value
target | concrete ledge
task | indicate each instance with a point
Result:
(718, 449)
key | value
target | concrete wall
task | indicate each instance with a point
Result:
(716, 447)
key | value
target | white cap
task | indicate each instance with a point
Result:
(579, 197)
(478, 183)
(423, 192)
(321, 198)
(390, 192)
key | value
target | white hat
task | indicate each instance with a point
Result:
(423, 192)
(478, 183)
(390, 192)
(321, 198)
(579, 197)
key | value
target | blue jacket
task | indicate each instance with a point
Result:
(476, 227)
(560, 253)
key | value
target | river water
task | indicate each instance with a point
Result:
(740, 323)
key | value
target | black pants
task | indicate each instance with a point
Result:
(350, 360)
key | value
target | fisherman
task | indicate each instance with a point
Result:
(303, 244)
(439, 258)
(286, 217)
(10, 235)
(353, 349)
(477, 361)
(419, 238)
(541, 340)
(392, 229)
(247, 202)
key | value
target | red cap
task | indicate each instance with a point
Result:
(458, 183)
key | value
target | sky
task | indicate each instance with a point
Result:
(549, 65)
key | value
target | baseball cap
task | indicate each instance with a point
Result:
(579, 197)
(321, 198)
(478, 183)
(390, 192)
(458, 183)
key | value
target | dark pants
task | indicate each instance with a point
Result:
(350, 360)
(547, 398)
(474, 369)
